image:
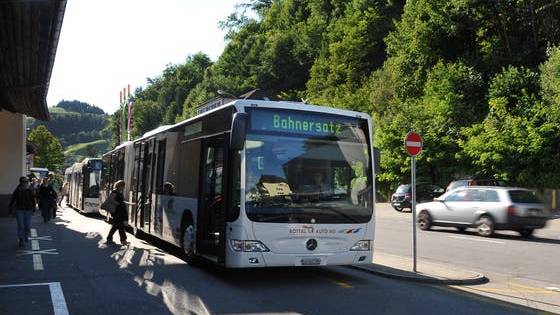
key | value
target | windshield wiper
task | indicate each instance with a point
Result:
(270, 218)
(338, 212)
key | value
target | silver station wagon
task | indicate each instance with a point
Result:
(486, 209)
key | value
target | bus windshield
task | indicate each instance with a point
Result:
(94, 171)
(307, 177)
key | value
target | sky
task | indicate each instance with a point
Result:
(105, 45)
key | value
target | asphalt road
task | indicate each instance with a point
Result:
(79, 274)
(506, 253)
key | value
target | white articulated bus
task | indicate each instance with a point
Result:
(255, 183)
(83, 185)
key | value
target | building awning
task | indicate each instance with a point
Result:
(29, 32)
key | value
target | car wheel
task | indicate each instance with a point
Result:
(187, 243)
(485, 226)
(461, 229)
(526, 233)
(424, 221)
(399, 209)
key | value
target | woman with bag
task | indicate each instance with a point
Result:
(119, 214)
(47, 200)
(23, 202)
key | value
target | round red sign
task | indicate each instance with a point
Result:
(413, 143)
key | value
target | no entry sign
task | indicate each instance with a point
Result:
(413, 143)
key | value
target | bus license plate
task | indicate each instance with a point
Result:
(310, 261)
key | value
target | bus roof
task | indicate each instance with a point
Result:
(241, 103)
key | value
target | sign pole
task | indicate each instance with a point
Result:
(413, 145)
(413, 161)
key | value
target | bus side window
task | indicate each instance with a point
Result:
(189, 158)
(160, 164)
(235, 184)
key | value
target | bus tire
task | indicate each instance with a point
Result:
(188, 239)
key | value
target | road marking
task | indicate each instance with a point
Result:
(37, 262)
(495, 290)
(339, 283)
(36, 250)
(37, 259)
(57, 296)
(553, 289)
(41, 238)
(50, 251)
(476, 239)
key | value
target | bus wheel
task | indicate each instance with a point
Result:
(187, 242)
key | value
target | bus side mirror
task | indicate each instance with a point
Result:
(377, 160)
(238, 131)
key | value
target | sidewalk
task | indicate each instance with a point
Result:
(498, 288)
(399, 267)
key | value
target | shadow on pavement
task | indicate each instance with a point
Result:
(140, 279)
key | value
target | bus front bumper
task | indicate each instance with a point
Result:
(270, 259)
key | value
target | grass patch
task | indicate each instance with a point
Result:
(100, 147)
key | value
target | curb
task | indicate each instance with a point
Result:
(393, 273)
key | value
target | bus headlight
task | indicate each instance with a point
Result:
(248, 246)
(363, 245)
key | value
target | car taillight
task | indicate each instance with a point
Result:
(511, 210)
(408, 196)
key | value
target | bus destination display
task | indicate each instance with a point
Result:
(302, 123)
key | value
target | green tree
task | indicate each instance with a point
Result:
(516, 142)
(91, 151)
(353, 48)
(550, 84)
(49, 150)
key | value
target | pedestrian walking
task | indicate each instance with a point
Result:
(47, 200)
(54, 197)
(34, 185)
(23, 202)
(63, 193)
(119, 215)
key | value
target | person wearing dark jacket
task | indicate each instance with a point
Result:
(46, 199)
(23, 202)
(119, 215)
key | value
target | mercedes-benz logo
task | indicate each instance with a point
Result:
(311, 244)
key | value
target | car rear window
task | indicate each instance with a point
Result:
(403, 189)
(523, 196)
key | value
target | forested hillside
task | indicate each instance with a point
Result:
(480, 80)
(77, 125)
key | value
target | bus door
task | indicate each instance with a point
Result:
(137, 185)
(85, 186)
(147, 184)
(211, 210)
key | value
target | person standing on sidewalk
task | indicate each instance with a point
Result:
(119, 215)
(47, 198)
(23, 202)
(63, 193)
